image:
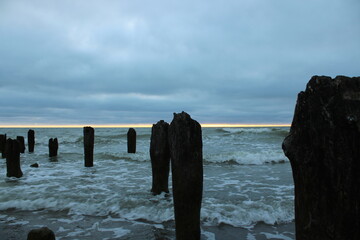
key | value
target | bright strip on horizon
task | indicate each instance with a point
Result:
(206, 125)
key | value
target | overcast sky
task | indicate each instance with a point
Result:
(138, 61)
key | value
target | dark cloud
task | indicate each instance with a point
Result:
(137, 62)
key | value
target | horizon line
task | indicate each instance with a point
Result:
(140, 125)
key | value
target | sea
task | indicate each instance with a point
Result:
(248, 187)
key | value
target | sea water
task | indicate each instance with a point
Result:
(247, 184)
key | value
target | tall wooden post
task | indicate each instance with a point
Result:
(3, 145)
(323, 147)
(185, 141)
(13, 159)
(131, 140)
(160, 157)
(53, 147)
(21, 141)
(89, 146)
(31, 140)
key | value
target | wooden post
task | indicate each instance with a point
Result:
(89, 146)
(13, 159)
(185, 141)
(21, 141)
(131, 140)
(53, 147)
(31, 140)
(323, 147)
(160, 157)
(3, 145)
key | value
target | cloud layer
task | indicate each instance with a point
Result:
(110, 62)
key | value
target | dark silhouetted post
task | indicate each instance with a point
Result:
(21, 141)
(53, 147)
(89, 146)
(31, 140)
(185, 141)
(13, 158)
(323, 147)
(43, 233)
(160, 157)
(131, 140)
(3, 145)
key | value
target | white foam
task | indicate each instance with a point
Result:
(61, 229)
(276, 236)
(245, 214)
(249, 236)
(18, 223)
(208, 235)
(248, 157)
(117, 232)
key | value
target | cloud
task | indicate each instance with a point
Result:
(137, 62)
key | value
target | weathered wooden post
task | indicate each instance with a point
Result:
(53, 147)
(31, 140)
(185, 141)
(3, 145)
(323, 147)
(13, 158)
(131, 140)
(89, 146)
(21, 141)
(160, 157)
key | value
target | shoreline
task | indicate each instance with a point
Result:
(16, 224)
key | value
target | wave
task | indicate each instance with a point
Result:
(247, 214)
(282, 131)
(134, 157)
(159, 209)
(246, 158)
(99, 139)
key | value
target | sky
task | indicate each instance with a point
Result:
(132, 61)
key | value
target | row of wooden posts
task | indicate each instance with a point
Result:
(179, 142)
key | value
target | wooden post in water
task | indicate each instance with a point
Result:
(185, 139)
(31, 140)
(13, 158)
(160, 157)
(131, 140)
(3, 145)
(53, 147)
(21, 141)
(89, 146)
(323, 147)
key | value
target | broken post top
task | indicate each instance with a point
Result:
(335, 102)
(185, 131)
(89, 130)
(159, 134)
(53, 140)
(327, 109)
(184, 120)
(31, 135)
(89, 135)
(131, 131)
(160, 124)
